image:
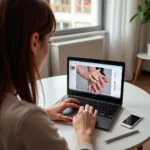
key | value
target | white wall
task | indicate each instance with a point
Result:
(91, 47)
(47, 67)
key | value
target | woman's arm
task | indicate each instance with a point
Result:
(89, 76)
(81, 71)
(91, 69)
(39, 132)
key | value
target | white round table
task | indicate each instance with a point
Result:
(142, 57)
(135, 100)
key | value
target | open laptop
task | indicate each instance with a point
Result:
(108, 101)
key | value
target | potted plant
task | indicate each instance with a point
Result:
(143, 13)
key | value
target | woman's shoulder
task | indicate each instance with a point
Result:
(24, 121)
(15, 110)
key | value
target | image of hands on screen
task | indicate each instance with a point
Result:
(93, 79)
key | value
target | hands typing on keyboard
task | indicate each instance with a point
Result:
(104, 109)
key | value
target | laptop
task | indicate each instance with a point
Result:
(106, 98)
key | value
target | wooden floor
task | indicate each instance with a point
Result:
(144, 83)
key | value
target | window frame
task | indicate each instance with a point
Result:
(101, 5)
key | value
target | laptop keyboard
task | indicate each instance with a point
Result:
(104, 109)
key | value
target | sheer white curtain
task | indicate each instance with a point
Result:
(124, 37)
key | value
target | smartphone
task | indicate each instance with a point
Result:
(131, 121)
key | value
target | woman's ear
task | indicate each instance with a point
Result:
(34, 43)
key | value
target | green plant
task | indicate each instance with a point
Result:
(143, 12)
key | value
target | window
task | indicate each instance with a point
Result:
(62, 25)
(83, 6)
(81, 24)
(77, 15)
(66, 25)
(58, 26)
(63, 6)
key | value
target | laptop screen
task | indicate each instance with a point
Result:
(95, 78)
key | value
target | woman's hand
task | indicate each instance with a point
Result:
(98, 87)
(92, 76)
(95, 87)
(84, 123)
(96, 76)
(55, 112)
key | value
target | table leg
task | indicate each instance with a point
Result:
(138, 70)
(140, 148)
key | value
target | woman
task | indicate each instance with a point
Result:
(25, 29)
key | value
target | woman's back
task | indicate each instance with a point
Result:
(23, 124)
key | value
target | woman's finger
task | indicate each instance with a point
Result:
(74, 118)
(91, 109)
(101, 81)
(95, 77)
(64, 118)
(95, 113)
(99, 86)
(87, 107)
(81, 109)
(95, 74)
(95, 88)
(72, 100)
(92, 79)
(104, 78)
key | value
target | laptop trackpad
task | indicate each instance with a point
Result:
(70, 112)
(103, 123)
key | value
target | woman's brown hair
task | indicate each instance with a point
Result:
(19, 19)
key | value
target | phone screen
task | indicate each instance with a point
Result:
(131, 120)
